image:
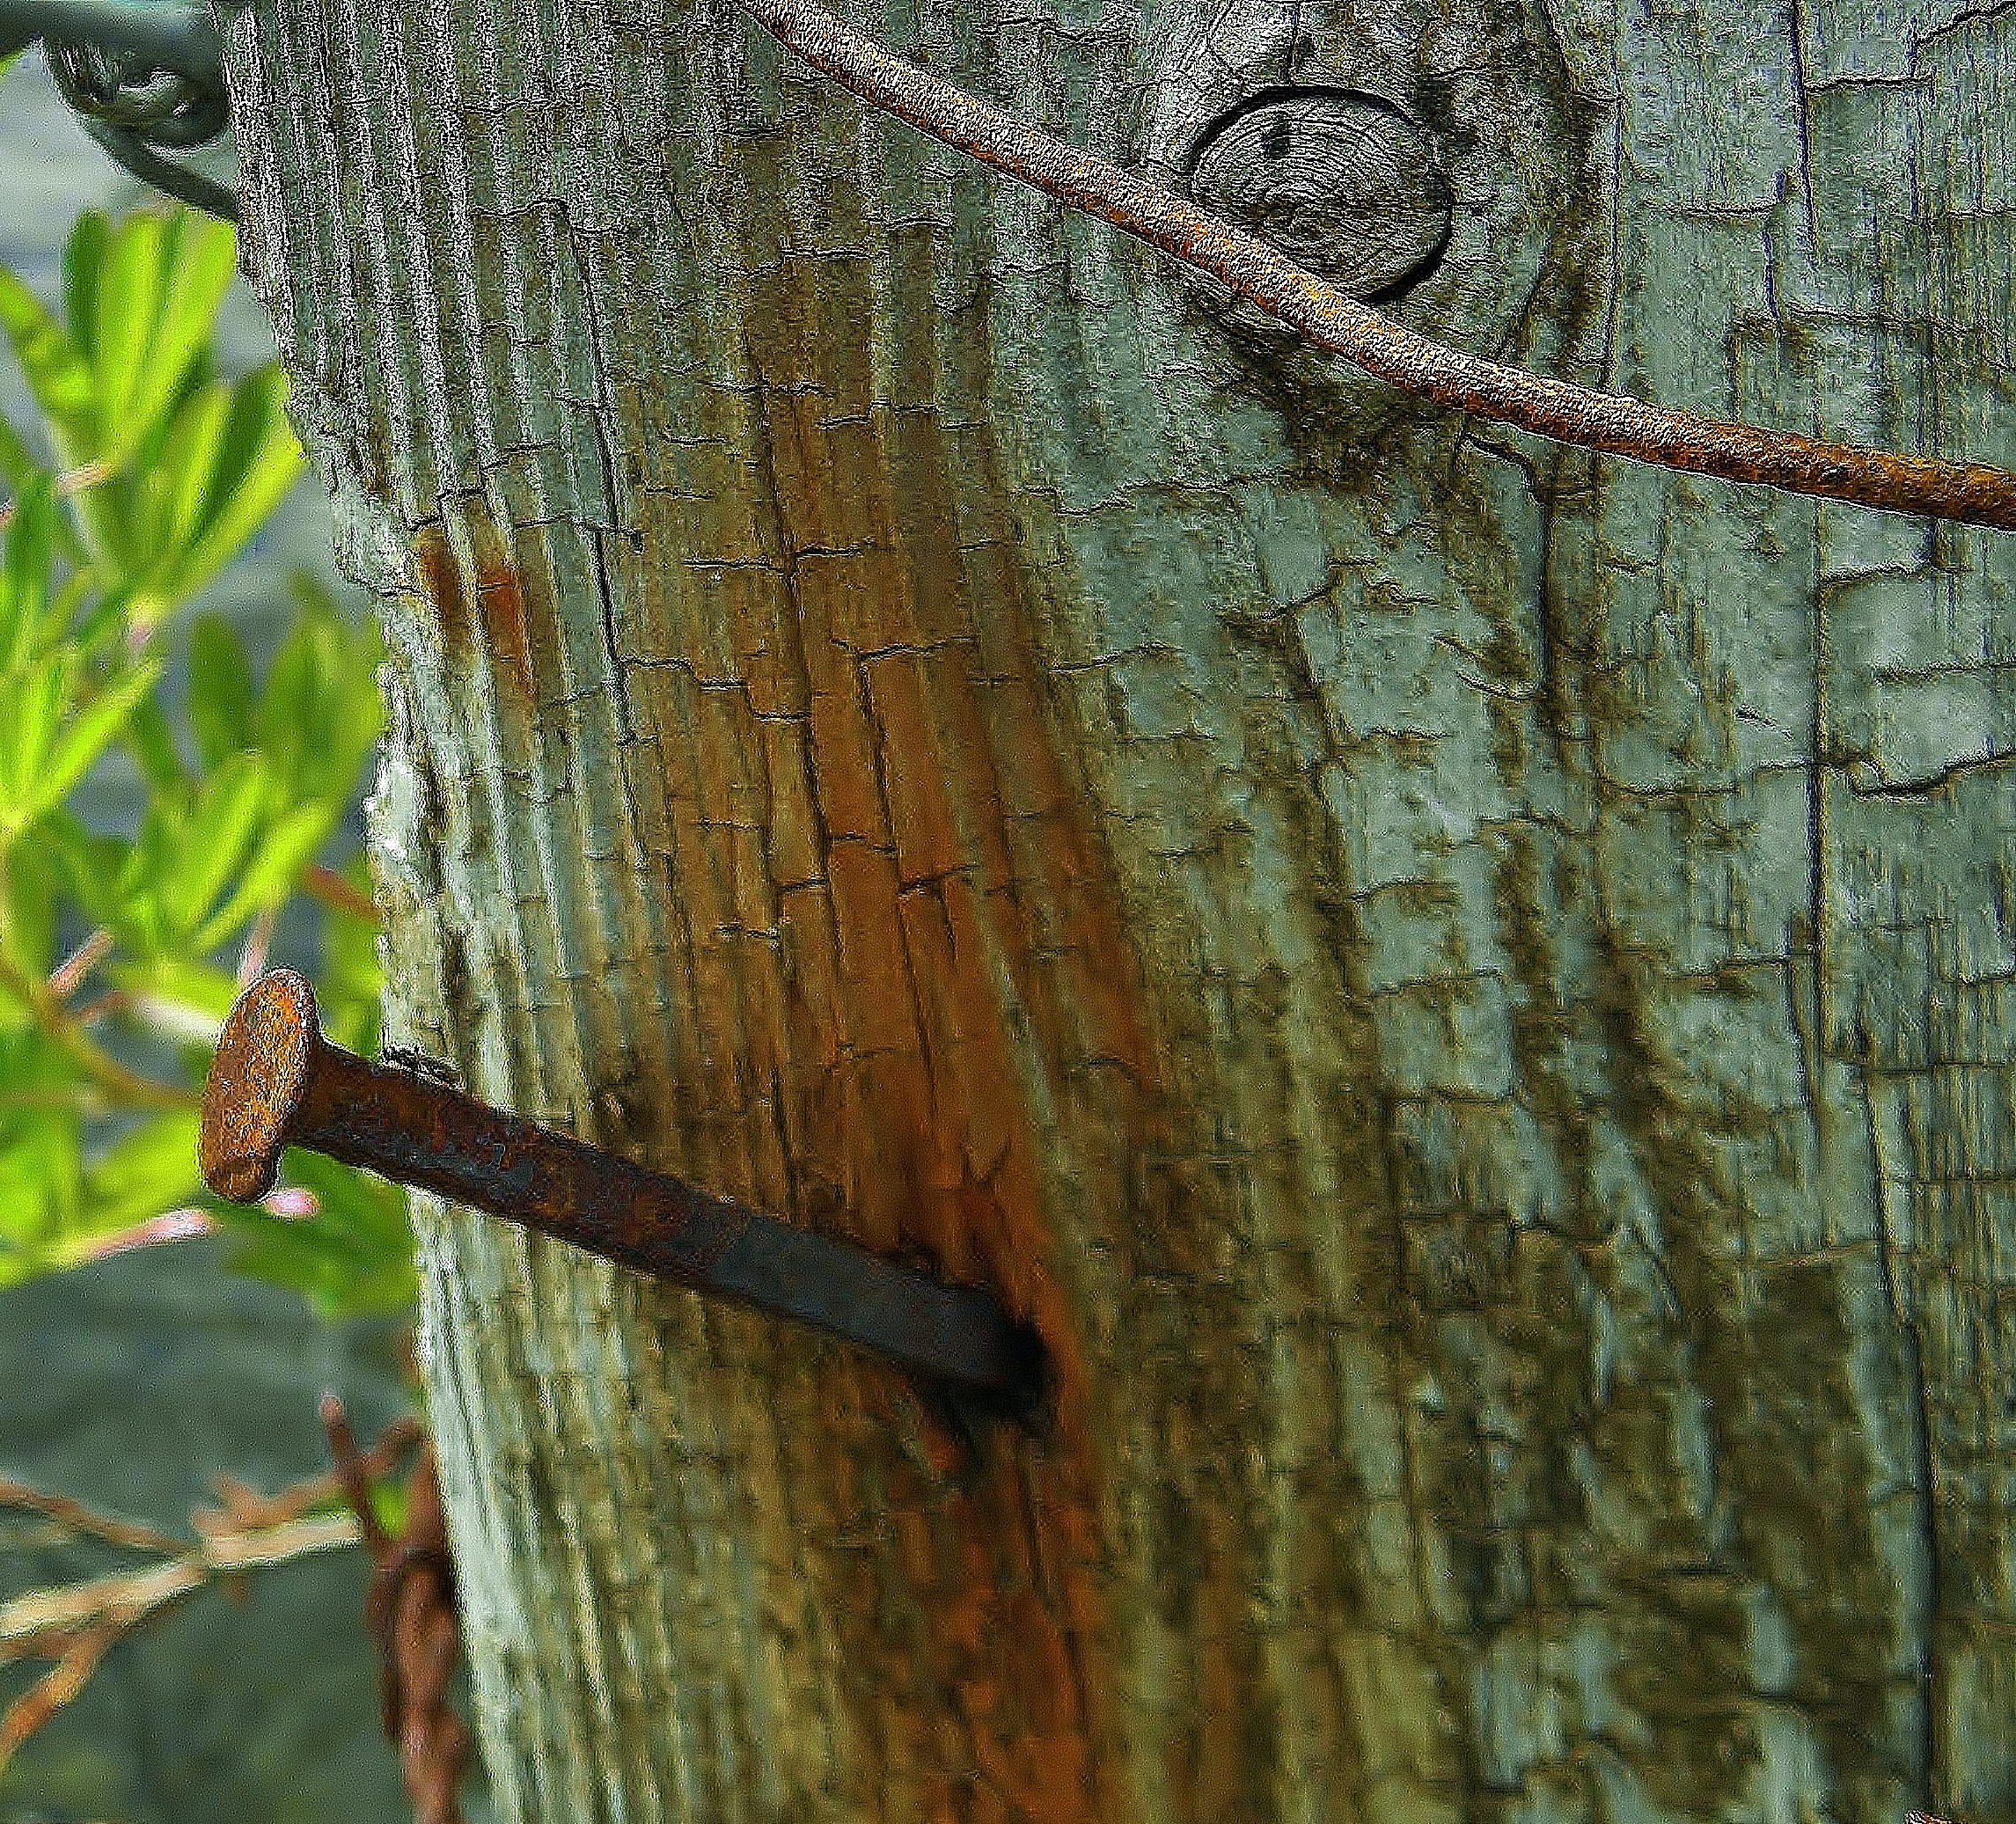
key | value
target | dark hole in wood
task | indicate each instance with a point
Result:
(1342, 182)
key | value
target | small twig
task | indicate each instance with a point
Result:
(328, 886)
(76, 1624)
(69, 974)
(71, 481)
(74, 1517)
(56, 1687)
(183, 1225)
(77, 1098)
(410, 1609)
(41, 1623)
(27, 1623)
(102, 1007)
(278, 1545)
(1969, 492)
(65, 1030)
(31, 1625)
(242, 1508)
(259, 940)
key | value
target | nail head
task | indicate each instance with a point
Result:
(256, 1085)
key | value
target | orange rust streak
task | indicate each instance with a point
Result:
(503, 606)
(500, 603)
(843, 765)
(969, 892)
(950, 914)
(441, 583)
(908, 694)
(950, 957)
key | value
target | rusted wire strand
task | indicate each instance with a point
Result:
(1970, 492)
(410, 1609)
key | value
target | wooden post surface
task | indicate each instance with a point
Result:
(1465, 987)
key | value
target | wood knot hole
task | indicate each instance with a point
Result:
(1343, 183)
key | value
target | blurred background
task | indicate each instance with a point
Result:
(130, 1381)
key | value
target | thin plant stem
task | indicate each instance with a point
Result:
(74, 1625)
(71, 481)
(73, 1516)
(68, 976)
(62, 1028)
(328, 886)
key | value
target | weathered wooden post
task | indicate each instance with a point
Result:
(1464, 987)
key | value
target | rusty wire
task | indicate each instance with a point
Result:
(1971, 493)
(410, 1609)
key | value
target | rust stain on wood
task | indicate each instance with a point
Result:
(503, 606)
(498, 618)
(978, 938)
(500, 604)
(936, 958)
(441, 587)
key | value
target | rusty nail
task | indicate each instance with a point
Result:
(277, 1082)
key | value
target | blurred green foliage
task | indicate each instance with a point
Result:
(120, 952)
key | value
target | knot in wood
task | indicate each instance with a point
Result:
(1343, 183)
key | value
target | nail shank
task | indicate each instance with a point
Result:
(276, 1082)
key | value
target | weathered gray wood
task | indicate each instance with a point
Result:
(1465, 987)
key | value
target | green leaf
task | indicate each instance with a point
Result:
(34, 875)
(198, 256)
(188, 463)
(321, 714)
(348, 985)
(211, 843)
(226, 460)
(93, 868)
(41, 1150)
(392, 1505)
(127, 378)
(220, 689)
(25, 573)
(255, 460)
(354, 1258)
(192, 995)
(55, 367)
(288, 846)
(30, 1214)
(100, 621)
(121, 326)
(18, 463)
(32, 700)
(48, 740)
(87, 736)
(141, 300)
(147, 1173)
(105, 517)
(83, 260)
(152, 744)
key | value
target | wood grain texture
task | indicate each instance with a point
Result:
(1464, 987)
